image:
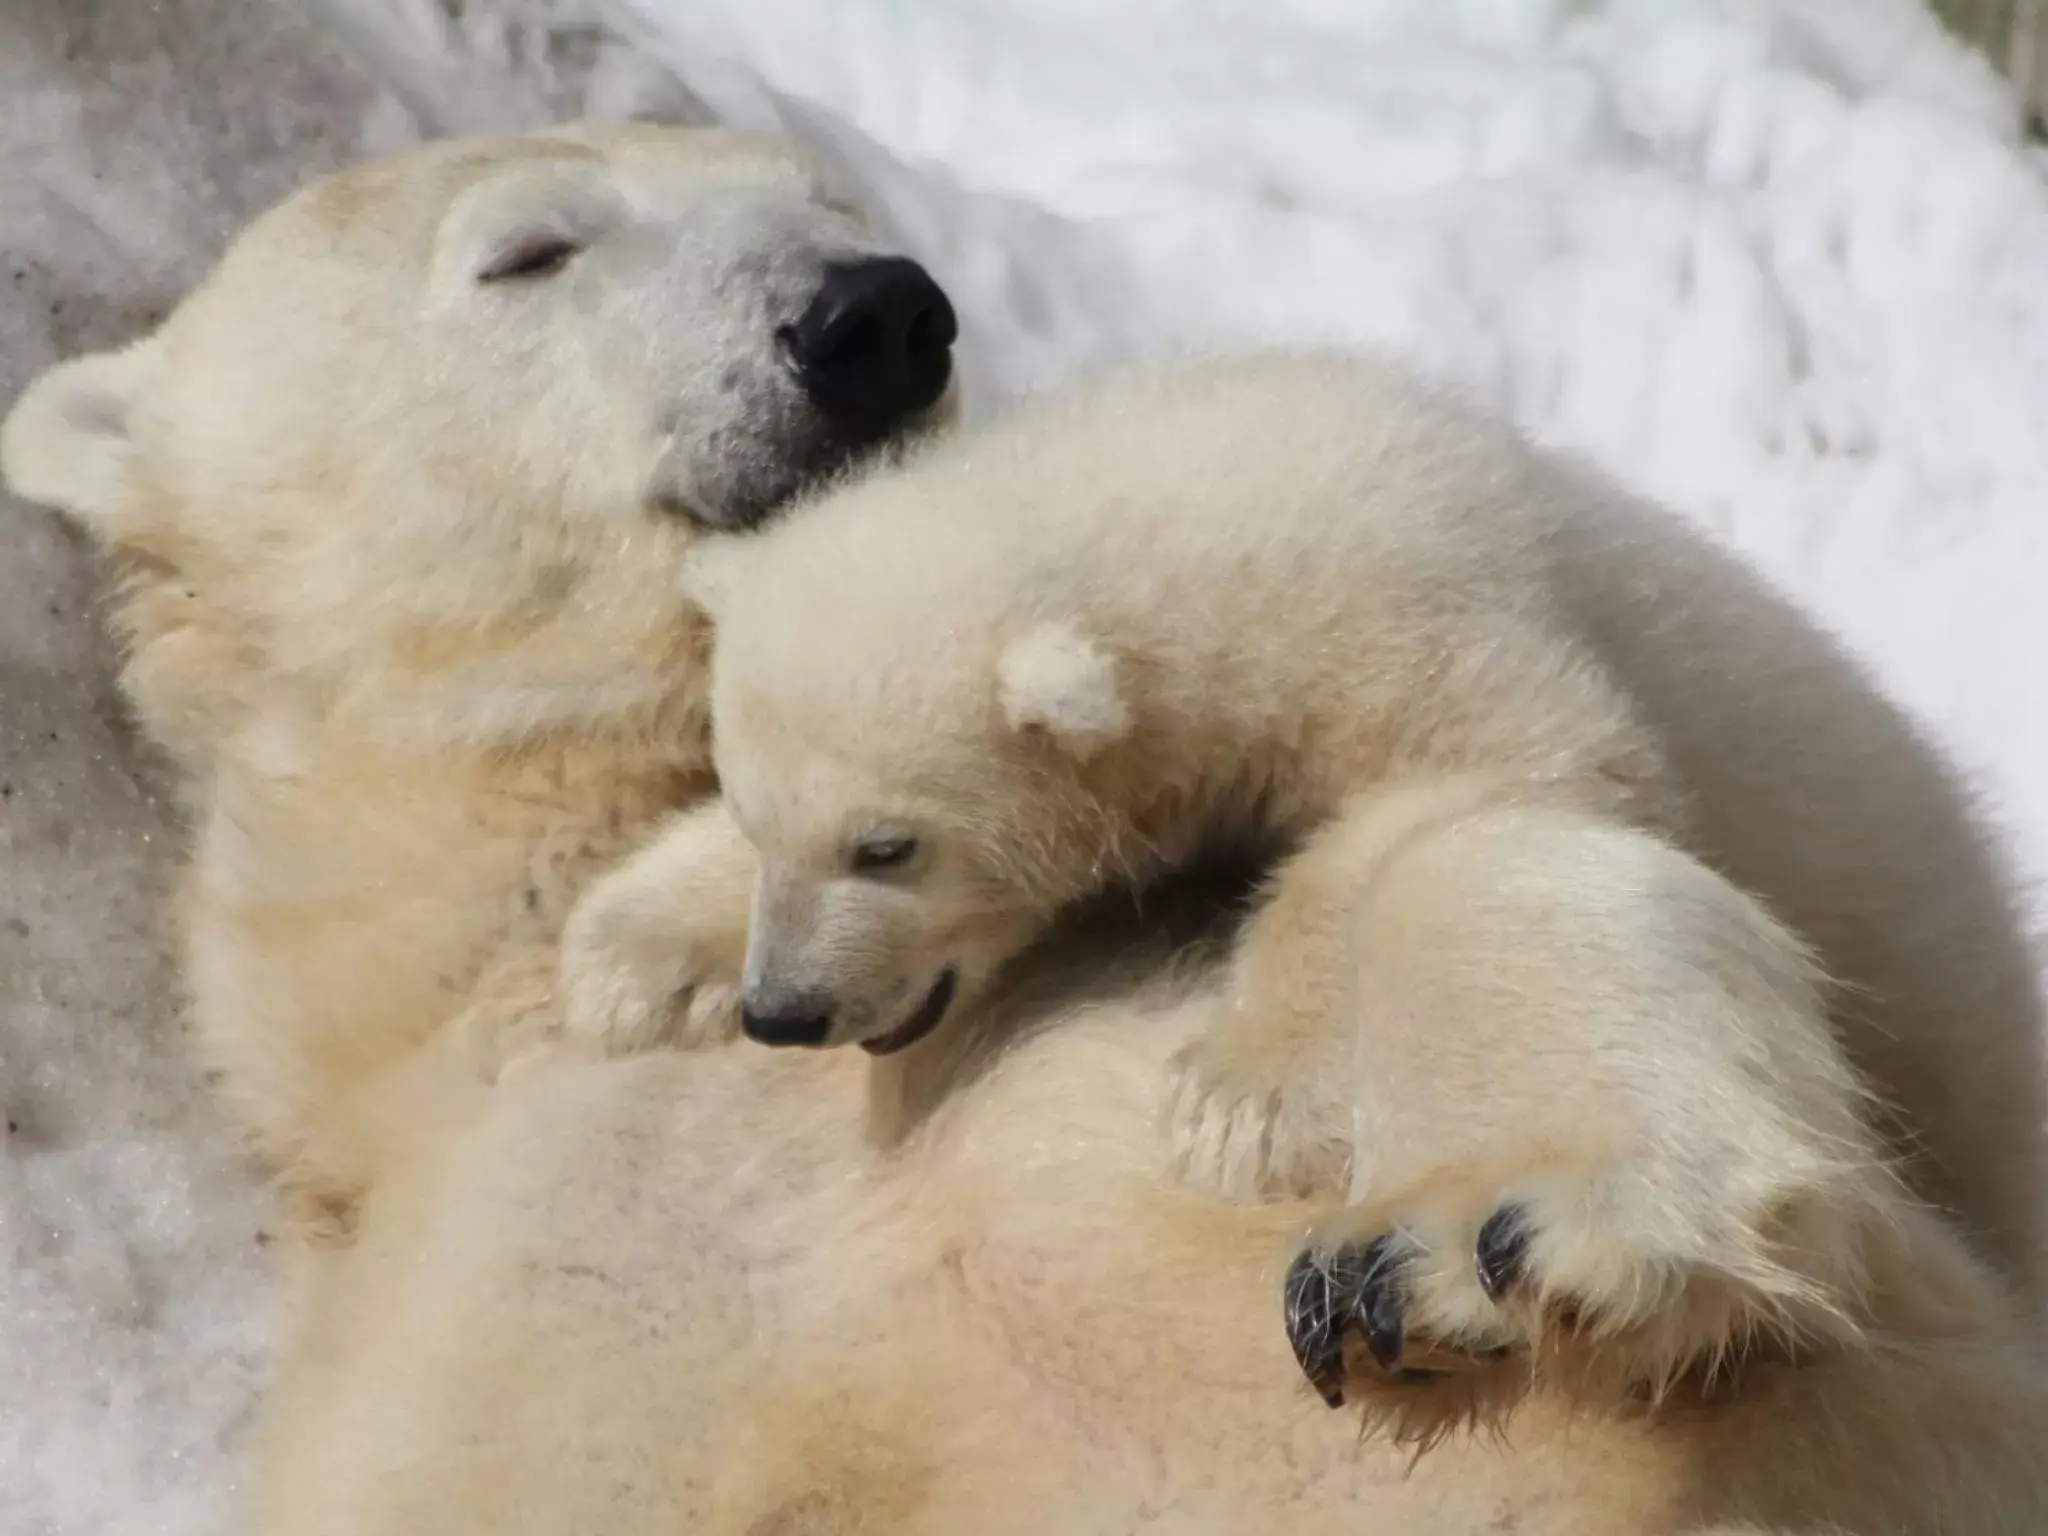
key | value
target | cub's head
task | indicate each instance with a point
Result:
(926, 763)
(428, 444)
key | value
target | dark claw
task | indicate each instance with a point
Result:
(1315, 1321)
(1380, 1302)
(1502, 1253)
(1328, 1294)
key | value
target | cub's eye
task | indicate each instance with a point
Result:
(541, 253)
(880, 853)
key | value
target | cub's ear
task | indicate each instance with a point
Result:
(69, 441)
(708, 573)
(1055, 680)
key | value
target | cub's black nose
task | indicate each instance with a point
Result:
(875, 346)
(801, 1020)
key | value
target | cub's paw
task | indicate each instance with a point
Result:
(652, 953)
(1434, 1315)
(1246, 1123)
(629, 984)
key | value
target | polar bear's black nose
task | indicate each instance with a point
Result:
(875, 346)
(803, 1018)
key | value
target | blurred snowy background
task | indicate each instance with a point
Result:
(1783, 263)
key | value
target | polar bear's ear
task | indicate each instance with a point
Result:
(1056, 680)
(69, 440)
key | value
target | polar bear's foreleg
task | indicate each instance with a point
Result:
(1574, 1096)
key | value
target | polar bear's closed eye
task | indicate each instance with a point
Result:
(524, 222)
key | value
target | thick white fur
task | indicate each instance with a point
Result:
(409, 632)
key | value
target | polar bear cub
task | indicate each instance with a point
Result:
(1623, 946)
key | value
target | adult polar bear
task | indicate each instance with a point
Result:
(404, 621)
(396, 498)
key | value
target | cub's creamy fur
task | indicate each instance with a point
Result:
(399, 594)
(1636, 958)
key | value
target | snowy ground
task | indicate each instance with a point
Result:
(1781, 262)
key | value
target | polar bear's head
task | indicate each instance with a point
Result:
(926, 758)
(434, 435)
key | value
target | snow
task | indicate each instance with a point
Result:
(1782, 263)
(134, 1295)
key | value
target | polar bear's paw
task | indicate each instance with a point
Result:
(624, 992)
(1245, 1123)
(652, 953)
(1437, 1311)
